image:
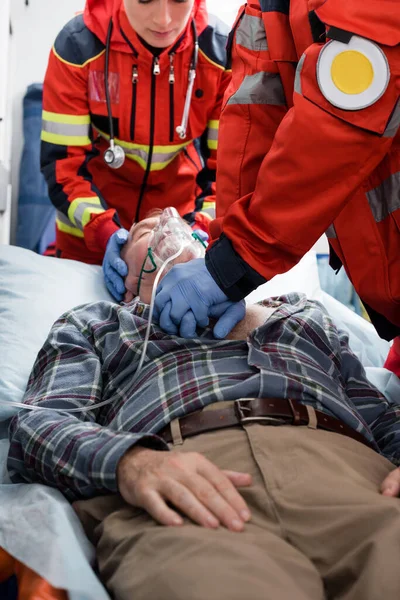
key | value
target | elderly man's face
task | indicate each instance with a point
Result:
(134, 254)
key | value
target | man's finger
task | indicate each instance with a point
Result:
(391, 485)
(239, 479)
(186, 502)
(218, 501)
(226, 490)
(153, 503)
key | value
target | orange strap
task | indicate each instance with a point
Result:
(30, 585)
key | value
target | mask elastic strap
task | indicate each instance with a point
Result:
(198, 238)
(143, 270)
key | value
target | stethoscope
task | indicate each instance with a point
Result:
(114, 156)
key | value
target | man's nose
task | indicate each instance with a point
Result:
(162, 17)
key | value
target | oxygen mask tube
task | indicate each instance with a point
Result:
(151, 309)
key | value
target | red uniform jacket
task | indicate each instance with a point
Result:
(147, 96)
(292, 165)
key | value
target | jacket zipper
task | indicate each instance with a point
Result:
(155, 71)
(171, 97)
(135, 80)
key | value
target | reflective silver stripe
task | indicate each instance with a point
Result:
(297, 82)
(212, 134)
(261, 88)
(157, 157)
(80, 210)
(385, 199)
(63, 219)
(210, 211)
(394, 123)
(65, 129)
(161, 159)
(331, 232)
(251, 33)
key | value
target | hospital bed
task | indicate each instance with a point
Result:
(38, 527)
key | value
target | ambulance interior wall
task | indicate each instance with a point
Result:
(34, 29)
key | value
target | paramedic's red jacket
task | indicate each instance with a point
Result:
(293, 166)
(160, 169)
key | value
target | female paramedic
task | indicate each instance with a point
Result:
(304, 151)
(132, 98)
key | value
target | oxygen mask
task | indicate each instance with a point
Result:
(171, 238)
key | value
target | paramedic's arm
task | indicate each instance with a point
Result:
(319, 158)
(204, 210)
(253, 107)
(67, 146)
(70, 452)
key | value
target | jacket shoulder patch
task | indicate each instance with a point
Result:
(76, 44)
(213, 41)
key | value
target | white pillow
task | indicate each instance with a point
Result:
(34, 291)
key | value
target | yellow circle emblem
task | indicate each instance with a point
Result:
(352, 72)
(354, 75)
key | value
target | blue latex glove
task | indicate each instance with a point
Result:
(188, 296)
(114, 268)
(202, 235)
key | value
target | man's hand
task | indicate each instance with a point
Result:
(194, 485)
(391, 485)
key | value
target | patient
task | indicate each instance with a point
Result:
(290, 494)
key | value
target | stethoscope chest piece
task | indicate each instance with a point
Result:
(114, 156)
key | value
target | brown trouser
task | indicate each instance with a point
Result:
(319, 527)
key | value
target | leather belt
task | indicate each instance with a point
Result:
(266, 411)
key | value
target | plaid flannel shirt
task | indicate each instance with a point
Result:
(93, 351)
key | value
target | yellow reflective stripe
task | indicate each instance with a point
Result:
(157, 166)
(139, 152)
(212, 144)
(211, 61)
(66, 62)
(137, 159)
(213, 124)
(208, 205)
(67, 119)
(88, 212)
(65, 140)
(74, 212)
(156, 149)
(68, 229)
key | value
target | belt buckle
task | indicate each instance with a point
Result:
(243, 412)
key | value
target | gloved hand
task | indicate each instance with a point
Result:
(188, 295)
(114, 268)
(203, 235)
